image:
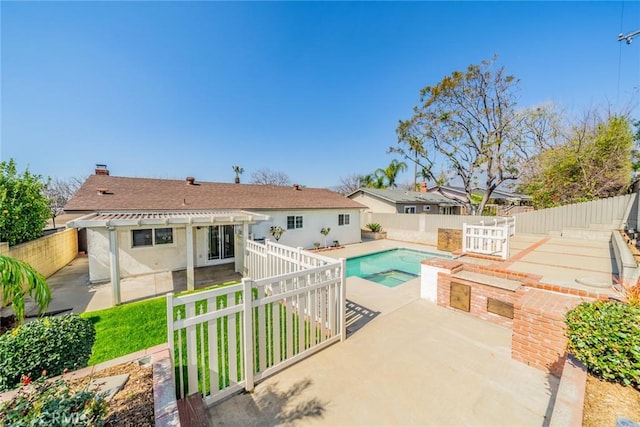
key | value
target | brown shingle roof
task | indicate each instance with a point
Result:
(124, 193)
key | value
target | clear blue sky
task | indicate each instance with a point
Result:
(315, 90)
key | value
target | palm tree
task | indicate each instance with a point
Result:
(238, 171)
(17, 280)
(391, 172)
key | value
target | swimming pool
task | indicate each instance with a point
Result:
(389, 268)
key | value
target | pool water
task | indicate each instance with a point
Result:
(389, 268)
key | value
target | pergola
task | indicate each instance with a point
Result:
(112, 221)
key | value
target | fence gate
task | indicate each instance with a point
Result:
(489, 238)
(225, 339)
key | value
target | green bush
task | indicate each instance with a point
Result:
(50, 344)
(52, 403)
(605, 336)
(375, 227)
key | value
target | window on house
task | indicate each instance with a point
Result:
(163, 236)
(426, 208)
(344, 219)
(151, 236)
(293, 222)
(410, 209)
(142, 237)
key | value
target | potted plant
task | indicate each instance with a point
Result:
(276, 231)
(373, 232)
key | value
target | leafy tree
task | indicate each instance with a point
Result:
(325, 232)
(269, 177)
(349, 183)
(238, 171)
(391, 172)
(468, 123)
(19, 279)
(384, 178)
(374, 180)
(59, 192)
(24, 209)
(594, 161)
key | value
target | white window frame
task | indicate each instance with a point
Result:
(344, 219)
(409, 209)
(298, 222)
(154, 242)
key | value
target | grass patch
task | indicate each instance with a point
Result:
(131, 327)
(128, 328)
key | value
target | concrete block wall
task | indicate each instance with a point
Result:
(47, 254)
(539, 332)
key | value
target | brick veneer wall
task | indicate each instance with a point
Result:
(539, 332)
(479, 296)
(538, 328)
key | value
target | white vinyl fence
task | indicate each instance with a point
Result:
(225, 339)
(489, 237)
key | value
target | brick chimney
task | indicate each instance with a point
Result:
(102, 170)
(423, 187)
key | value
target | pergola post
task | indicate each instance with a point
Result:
(191, 281)
(114, 262)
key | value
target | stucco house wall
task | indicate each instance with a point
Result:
(374, 204)
(134, 261)
(379, 205)
(313, 222)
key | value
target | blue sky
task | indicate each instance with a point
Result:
(315, 90)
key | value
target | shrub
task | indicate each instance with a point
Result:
(50, 344)
(52, 403)
(375, 227)
(605, 336)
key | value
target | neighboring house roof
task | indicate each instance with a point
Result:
(402, 196)
(495, 195)
(115, 193)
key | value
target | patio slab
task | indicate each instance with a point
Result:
(564, 261)
(419, 364)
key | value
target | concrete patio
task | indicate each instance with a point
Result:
(413, 364)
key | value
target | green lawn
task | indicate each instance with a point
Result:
(128, 328)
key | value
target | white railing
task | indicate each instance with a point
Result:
(271, 259)
(489, 237)
(225, 339)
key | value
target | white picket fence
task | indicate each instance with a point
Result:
(224, 340)
(489, 237)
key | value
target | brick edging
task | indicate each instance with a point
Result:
(165, 405)
(569, 403)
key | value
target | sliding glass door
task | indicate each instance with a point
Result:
(221, 242)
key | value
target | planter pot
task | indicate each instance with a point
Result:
(373, 235)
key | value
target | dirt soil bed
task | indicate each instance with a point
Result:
(133, 405)
(605, 402)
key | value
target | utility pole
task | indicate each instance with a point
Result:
(628, 37)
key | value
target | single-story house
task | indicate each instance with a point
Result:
(401, 201)
(499, 200)
(143, 225)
